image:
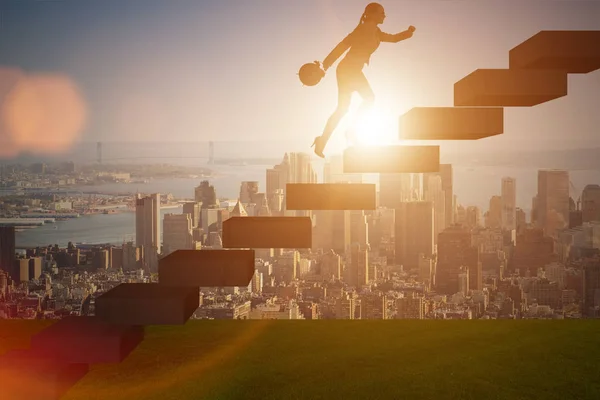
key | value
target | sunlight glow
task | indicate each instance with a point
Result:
(376, 127)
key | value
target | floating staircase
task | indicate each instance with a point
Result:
(60, 355)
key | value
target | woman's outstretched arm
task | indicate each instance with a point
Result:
(398, 37)
(337, 51)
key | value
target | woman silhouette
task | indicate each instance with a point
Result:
(362, 42)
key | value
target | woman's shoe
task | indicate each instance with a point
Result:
(319, 146)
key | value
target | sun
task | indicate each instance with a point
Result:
(375, 127)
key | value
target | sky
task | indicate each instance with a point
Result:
(154, 70)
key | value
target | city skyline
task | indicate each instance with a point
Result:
(157, 184)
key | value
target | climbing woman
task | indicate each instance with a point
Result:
(362, 42)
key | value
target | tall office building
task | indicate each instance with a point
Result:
(331, 266)
(533, 251)
(394, 189)
(509, 203)
(436, 195)
(357, 273)
(521, 219)
(333, 172)
(590, 203)
(276, 179)
(147, 229)
(473, 217)
(295, 168)
(177, 232)
(359, 229)
(417, 187)
(553, 201)
(301, 170)
(332, 230)
(7, 252)
(493, 219)
(248, 190)
(206, 194)
(414, 232)
(455, 250)
(591, 289)
(193, 209)
(447, 186)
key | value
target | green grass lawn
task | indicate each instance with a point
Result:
(348, 359)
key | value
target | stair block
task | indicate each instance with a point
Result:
(148, 304)
(330, 196)
(87, 340)
(510, 87)
(207, 268)
(267, 232)
(574, 52)
(391, 159)
(451, 123)
(26, 375)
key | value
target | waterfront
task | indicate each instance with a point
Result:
(473, 186)
(94, 228)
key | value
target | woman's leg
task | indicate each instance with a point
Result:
(344, 101)
(361, 85)
(368, 97)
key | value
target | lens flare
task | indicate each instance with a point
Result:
(43, 114)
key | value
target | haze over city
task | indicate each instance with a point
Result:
(197, 71)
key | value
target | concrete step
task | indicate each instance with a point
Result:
(451, 123)
(148, 304)
(267, 232)
(509, 87)
(207, 268)
(574, 52)
(330, 196)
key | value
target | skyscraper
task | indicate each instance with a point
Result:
(193, 209)
(394, 189)
(509, 203)
(436, 195)
(7, 252)
(358, 270)
(414, 232)
(177, 232)
(332, 230)
(248, 189)
(449, 202)
(276, 179)
(333, 172)
(447, 187)
(206, 194)
(494, 215)
(455, 250)
(359, 229)
(473, 217)
(590, 203)
(147, 228)
(591, 289)
(295, 168)
(417, 187)
(553, 201)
